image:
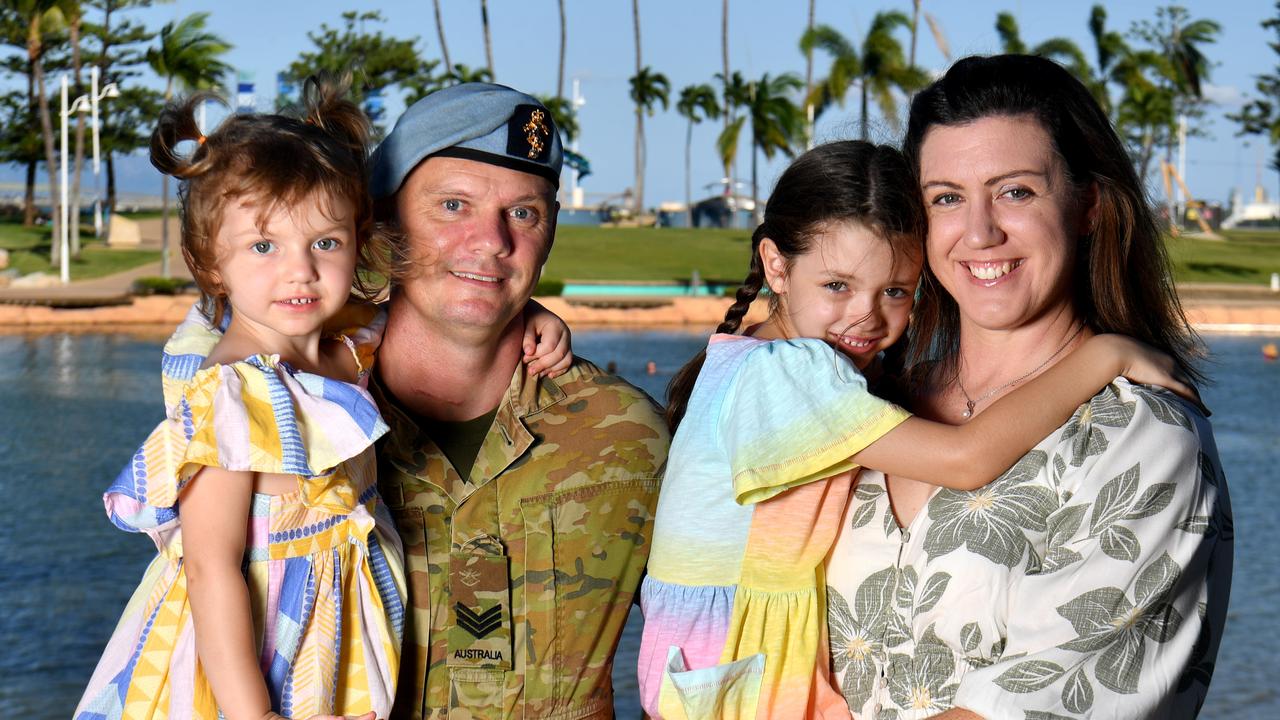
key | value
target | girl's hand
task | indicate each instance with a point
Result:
(1145, 365)
(546, 342)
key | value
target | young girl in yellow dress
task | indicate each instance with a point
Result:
(278, 589)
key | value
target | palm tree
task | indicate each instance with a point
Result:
(187, 55)
(1109, 47)
(731, 163)
(563, 115)
(880, 67)
(488, 45)
(697, 102)
(1058, 49)
(736, 93)
(808, 75)
(777, 124)
(75, 17)
(38, 17)
(1181, 66)
(444, 49)
(648, 88)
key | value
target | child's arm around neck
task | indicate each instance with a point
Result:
(968, 456)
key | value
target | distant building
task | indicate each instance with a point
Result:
(1254, 214)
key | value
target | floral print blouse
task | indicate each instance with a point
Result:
(1090, 580)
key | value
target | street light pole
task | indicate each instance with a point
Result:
(108, 91)
(83, 104)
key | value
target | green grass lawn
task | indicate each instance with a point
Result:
(1245, 256)
(585, 253)
(591, 253)
(670, 254)
(29, 252)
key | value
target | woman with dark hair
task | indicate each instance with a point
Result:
(1091, 579)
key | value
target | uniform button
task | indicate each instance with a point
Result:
(906, 535)
(878, 708)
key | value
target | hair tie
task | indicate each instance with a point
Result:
(200, 139)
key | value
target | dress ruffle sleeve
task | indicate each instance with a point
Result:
(796, 412)
(256, 415)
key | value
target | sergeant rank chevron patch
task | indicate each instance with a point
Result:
(480, 624)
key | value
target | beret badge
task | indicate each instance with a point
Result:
(529, 132)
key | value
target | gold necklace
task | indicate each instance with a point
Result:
(970, 403)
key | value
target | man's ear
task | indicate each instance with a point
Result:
(775, 266)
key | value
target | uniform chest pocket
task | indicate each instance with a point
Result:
(585, 550)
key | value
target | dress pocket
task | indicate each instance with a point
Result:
(585, 550)
(730, 691)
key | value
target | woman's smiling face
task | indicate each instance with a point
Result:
(1004, 220)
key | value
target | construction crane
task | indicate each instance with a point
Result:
(1170, 175)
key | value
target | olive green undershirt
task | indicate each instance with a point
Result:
(459, 441)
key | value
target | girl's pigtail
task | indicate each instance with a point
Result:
(326, 106)
(177, 124)
(681, 385)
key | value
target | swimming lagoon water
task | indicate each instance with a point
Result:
(74, 406)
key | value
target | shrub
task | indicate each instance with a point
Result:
(160, 286)
(549, 288)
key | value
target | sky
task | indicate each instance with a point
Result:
(681, 38)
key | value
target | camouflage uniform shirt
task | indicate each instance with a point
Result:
(521, 576)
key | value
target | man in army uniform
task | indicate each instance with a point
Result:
(525, 504)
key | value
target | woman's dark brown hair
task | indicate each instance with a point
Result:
(1122, 280)
(849, 181)
(278, 160)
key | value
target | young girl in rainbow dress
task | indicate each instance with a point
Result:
(278, 589)
(772, 426)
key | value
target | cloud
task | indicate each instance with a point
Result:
(1225, 95)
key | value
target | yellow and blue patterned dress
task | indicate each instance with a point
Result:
(323, 563)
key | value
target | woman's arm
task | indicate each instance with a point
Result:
(546, 341)
(969, 456)
(215, 509)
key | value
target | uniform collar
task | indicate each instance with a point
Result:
(413, 451)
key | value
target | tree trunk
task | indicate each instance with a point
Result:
(863, 136)
(79, 163)
(808, 85)
(915, 27)
(29, 196)
(1175, 222)
(111, 186)
(104, 113)
(638, 200)
(444, 49)
(46, 128)
(756, 213)
(728, 108)
(560, 74)
(488, 45)
(164, 203)
(688, 182)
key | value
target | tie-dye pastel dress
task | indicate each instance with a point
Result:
(734, 603)
(323, 563)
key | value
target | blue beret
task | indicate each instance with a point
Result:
(474, 121)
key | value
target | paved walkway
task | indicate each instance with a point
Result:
(107, 290)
